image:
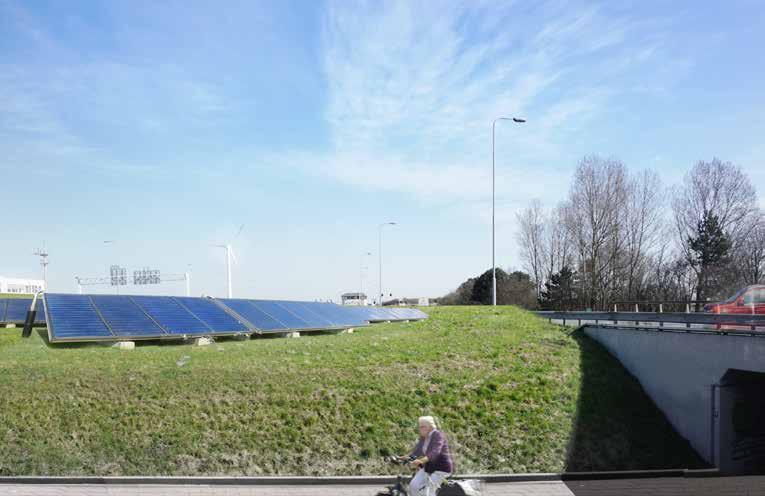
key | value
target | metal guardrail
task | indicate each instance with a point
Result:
(714, 319)
(658, 305)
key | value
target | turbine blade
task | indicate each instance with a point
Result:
(241, 227)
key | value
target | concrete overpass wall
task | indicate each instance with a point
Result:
(677, 370)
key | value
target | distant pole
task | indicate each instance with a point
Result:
(188, 279)
(493, 188)
(228, 270)
(112, 242)
(43, 254)
(379, 257)
(361, 275)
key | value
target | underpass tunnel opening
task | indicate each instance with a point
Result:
(739, 420)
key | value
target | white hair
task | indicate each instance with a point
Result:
(427, 420)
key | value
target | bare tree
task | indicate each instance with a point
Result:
(750, 255)
(612, 234)
(597, 199)
(642, 226)
(531, 236)
(557, 243)
(713, 189)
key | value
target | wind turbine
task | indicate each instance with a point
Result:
(229, 256)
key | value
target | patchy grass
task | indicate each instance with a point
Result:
(505, 384)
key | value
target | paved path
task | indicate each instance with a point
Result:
(499, 489)
(670, 486)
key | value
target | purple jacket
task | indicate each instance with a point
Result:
(439, 456)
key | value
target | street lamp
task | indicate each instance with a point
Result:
(379, 255)
(493, 263)
(361, 274)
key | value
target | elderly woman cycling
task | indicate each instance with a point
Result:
(432, 457)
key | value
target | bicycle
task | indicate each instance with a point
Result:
(450, 487)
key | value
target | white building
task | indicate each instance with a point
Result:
(357, 299)
(20, 286)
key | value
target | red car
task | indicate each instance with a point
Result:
(750, 300)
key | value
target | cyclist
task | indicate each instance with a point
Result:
(432, 458)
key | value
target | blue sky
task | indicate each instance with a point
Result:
(166, 125)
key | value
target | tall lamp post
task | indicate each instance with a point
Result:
(362, 267)
(493, 263)
(379, 256)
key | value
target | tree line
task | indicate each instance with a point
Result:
(622, 236)
(625, 236)
(514, 288)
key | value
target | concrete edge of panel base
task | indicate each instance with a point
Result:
(123, 345)
(10, 326)
(202, 341)
(350, 330)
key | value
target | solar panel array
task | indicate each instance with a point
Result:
(14, 311)
(123, 317)
(389, 314)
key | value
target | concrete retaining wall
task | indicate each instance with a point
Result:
(677, 370)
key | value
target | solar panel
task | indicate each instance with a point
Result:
(341, 316)
(377, 314)
(14, 311)
(418, 314)
(171, 315)
(252, 314)
(363, 313)
(212, 314)
(381, 314)
(319, 314)
(114, 317)
(125, 318)
(405, 313)
(74, 317)
(284, 314)
(398, 313)
(314, 320)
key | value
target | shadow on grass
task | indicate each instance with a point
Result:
(172, 342)
(617, 425)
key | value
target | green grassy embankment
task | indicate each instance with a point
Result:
(514, 393)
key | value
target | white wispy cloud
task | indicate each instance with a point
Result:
(413, 88)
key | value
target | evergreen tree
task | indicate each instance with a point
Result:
(482, 288)
(559, 291)
(710, 248)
